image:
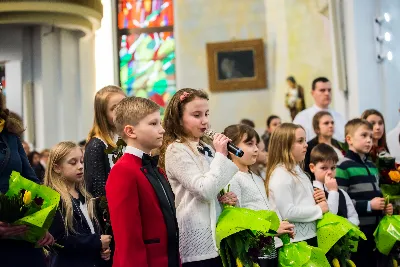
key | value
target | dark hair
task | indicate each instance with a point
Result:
(237, 131)
(291, 79)
(369, 112)
(319, 79)
(31, 156)
(13, 122)
(172, 122)
(323, 152)
(270, 119)
(248, 122)
(82, 143)
(317, 117)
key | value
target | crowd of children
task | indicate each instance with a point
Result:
(164, 209)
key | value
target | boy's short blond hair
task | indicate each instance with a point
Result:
(353, 125)
(131, 110)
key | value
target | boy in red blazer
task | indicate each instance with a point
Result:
(140, 199)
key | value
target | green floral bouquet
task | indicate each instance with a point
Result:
(28, 203)
(300, 254)
(243, 235)
(338, 238)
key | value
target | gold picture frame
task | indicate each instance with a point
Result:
(236, 65)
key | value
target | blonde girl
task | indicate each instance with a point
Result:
(74, 225)
(196, 173)
(102, 135)
(289, 189)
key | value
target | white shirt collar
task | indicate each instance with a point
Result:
(318, 184)
(134, 151)
(320, 109)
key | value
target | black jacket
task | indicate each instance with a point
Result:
(82, 248)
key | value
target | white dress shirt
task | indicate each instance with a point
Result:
(305, 118)
(333, 203)
(393, 142)
(134, 151)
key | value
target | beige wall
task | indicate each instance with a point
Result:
(297, 43)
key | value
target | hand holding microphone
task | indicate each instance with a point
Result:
(222, 144)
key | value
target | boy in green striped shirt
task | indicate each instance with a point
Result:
(358, 176)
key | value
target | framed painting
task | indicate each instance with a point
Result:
(236, 65)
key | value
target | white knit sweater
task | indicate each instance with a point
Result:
(250, 191)
(292, 196)
(196, 181)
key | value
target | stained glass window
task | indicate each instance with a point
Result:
(145, 14)
(147, 49)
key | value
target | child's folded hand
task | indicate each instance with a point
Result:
(378, 203)
(389, 209)
(319, 195)
(229, 198)
(106, 254)
(324, 206)
(286, 228)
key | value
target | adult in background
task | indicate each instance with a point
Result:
(16, 253)
(294, 100)
(322, 94)
(34, 161)
(273, 121)
(324, 127)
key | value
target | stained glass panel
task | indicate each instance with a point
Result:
(147, 65)
(145, 13)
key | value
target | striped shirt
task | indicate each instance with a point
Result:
(359, 178)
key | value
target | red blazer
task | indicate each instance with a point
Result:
(142, 213)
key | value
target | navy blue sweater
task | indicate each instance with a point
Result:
(15, 253)
(359, 178)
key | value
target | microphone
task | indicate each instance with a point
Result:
(231, 147)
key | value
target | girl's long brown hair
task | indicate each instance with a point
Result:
(101, 127)
(280, 150)
(382, 141)
(55, 181)
(172, 122)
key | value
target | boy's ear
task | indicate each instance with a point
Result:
(348, 139)
(312, 167)
(129, 131)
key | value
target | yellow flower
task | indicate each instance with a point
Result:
(394, 176)
(27, 197)
(238, 263)
(335, 262)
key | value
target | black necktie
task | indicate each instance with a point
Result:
(205, 151)
(149, 160)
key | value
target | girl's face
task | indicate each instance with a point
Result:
(274, 123)
(250, 150)
(378, 126)
(113, 101)
(326, 126)
(36, 159)
(262, 154)
(71, 166)
(299, 147)
(195, 118)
